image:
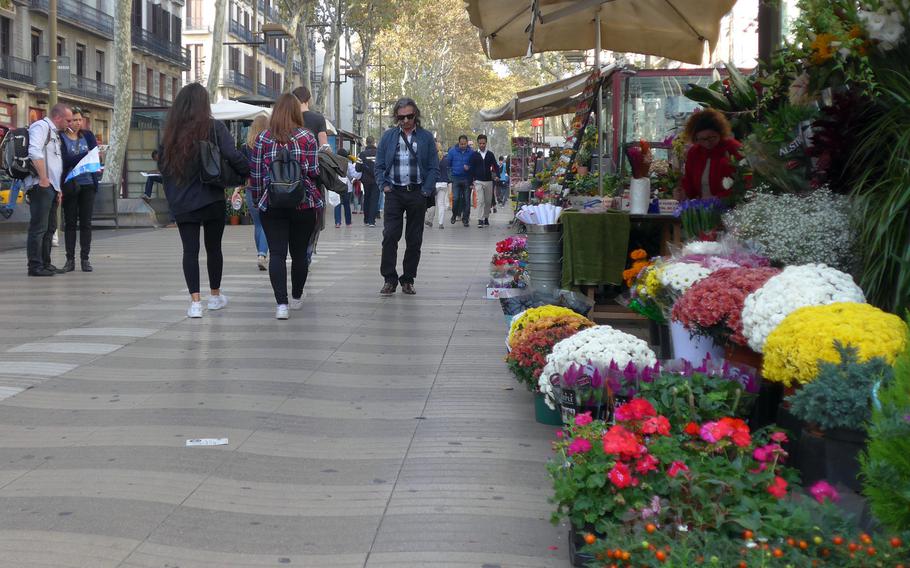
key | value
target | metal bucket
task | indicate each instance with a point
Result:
(545, 256)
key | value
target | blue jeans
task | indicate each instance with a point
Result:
(262, 245)
(461, 199)
(14, 190)
(346, 203)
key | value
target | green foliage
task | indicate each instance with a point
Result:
(735, 96)
(696, 398)
(886, 461)
(841, 394)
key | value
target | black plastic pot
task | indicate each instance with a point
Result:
(842, 449)
(577, 542)
(568, 404)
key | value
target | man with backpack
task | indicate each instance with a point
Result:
(407, 166)
(43, 188)
(366, 166)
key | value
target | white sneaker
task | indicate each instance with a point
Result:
(282, 312)
(297, 303)
(261, 263)
(217, 302)
(195, 310)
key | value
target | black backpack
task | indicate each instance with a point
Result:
(214, 168)
(14, 160)
(285, 181)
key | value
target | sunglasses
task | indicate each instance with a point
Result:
(411, 116)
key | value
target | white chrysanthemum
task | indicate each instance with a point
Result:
(703, 247)
(599, 345)
(680, 276)
(794, 288)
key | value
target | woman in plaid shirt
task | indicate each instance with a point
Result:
(286, 228)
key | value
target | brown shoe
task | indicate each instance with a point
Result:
(388, 289)
(408, 289)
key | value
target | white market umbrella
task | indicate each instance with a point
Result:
(236, 110)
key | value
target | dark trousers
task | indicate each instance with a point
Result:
(370, 204)
(212, 229)
(288, 229)
(398, 205)
(346, 205)
(461, 199)
(78, 204)
(150, 184)
(41, 228)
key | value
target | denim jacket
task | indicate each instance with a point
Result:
(427, 158)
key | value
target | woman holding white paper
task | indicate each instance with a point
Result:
(78, 192)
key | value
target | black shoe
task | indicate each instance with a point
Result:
(480, 223)
(408, 289)
(453, 219)
(428, 223)
(86, 266)
(388, 289)
(70, 265)
(486, 222)
(41, 272)
(54, 269)
(494, 210)
(466, 224)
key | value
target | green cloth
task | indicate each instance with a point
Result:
(594, 247)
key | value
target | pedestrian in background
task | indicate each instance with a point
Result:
(346, 198)
(44, 192)
(367, 168)
(196, 205)
(312, 120)
(484, 169)
(460, 174)
(407, 166)
(287, 228)
(442, 189)
(259, 124)
(78, 194)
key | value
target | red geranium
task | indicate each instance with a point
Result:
(621, 477)
(732, 428)
(778, 488)
(714, 305)
(692, 429)
(677, 467)
(646, 464)
(656, 425)
(619, 441)
(635, 409)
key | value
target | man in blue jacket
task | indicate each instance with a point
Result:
(407, 166)
(460, 164)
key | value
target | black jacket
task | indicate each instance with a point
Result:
(484, 169)
(70, 160)
(367, 167)
(193, 195)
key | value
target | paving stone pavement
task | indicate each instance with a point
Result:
(363, 432)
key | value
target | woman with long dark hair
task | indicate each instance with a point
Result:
(194, 204)
(286, 228)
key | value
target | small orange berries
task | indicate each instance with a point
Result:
(590, 538)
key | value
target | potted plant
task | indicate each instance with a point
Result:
(839, 403)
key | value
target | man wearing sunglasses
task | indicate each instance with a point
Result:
(407, 166)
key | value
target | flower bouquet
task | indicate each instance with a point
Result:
(531, 315)
(700, 218)
(794, 288)
(807, 336)
(640, 158)
(713, 307)
(639, 258)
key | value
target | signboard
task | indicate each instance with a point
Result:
(536, 122)
(43, 72)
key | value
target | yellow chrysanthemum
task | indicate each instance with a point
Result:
(534, 314)
(807, 335)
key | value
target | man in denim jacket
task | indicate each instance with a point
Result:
(406, 169)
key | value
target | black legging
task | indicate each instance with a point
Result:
(78, 202)
(213, 229)
(288, 229)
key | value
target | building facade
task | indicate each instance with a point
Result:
(242, 65)
(85, 47)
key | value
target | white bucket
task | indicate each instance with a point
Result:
(640, 195)
(692, 348)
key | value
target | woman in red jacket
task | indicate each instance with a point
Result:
(708, 159)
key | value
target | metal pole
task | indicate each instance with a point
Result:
(52, 42)
(337, 97)
(256, 47)
(599, 95)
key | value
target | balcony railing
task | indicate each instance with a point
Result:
(82, 15)
(165, 49)
(143, 100)
(240, 31)
(267, 91)
(15, 69)
(237, 80)
(91, 89)
(276, 54)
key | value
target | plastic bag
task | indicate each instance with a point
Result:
(334, 200)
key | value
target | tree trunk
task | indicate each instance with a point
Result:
(217, 49)
(123, 95)
(360, 85)
(293, 47)
(303, 42)
(328, 67)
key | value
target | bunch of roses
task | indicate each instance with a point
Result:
(807, 336)
(713, 307)
(533, 314)
(648, 462)
(527, 358)
(794, 288)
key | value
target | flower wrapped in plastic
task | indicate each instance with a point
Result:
(713, 307)
(807, 336)
(678, 277)
(794, 288)
(534, 314)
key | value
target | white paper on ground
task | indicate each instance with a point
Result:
(207, 442)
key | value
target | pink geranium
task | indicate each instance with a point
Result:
(583, 419)
(713, 306)
(579, 446)
(733, 428)
(823, 490)
(656, 425)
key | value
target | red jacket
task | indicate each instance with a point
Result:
(698, 156)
